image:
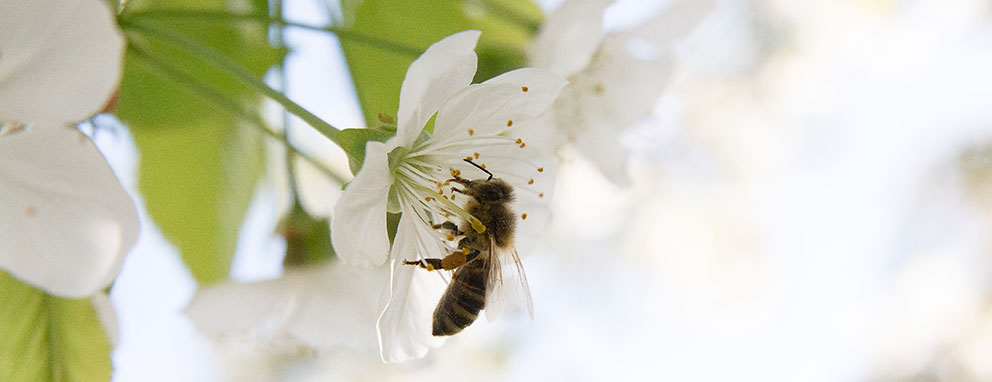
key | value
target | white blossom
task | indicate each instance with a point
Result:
(615, 78)
(409, 174)
(67, 221)
(317, 308)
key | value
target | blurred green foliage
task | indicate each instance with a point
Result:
(378, 73)
(47, 338)
(199, 163)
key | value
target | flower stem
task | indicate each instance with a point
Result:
(234, 70)
(223, 16)
(227, 104)
(279, 40)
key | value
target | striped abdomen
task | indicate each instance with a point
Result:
(464, 298)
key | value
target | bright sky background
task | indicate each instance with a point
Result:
(805, 207)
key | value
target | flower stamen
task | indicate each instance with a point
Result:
(476, 224)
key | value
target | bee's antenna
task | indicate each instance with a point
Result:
(480, 168)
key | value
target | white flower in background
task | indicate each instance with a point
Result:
(409, 174)
(615, 79)
(67, 223)
(319, 308)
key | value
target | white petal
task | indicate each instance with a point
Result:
(107, 315)
(445, 68)
(67, 221)
(603, 149)
(542, 88)
(493, 106)
(261, 309)
(569, 37)
(60, 60)
(358, 229)
(322, 307)
(541, 133)
(592, 122)
(340, 306)
(618, 89)
(405, 325)
(674, 22)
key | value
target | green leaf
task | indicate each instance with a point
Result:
(198, 182)
(47, 338)
(378, 73)
(199, 162)
(353, 143)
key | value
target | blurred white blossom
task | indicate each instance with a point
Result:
(317, 308)
(67, 221)
(409, 174)
(615, 78)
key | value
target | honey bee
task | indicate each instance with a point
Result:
(477, 282)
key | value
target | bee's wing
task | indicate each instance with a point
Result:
(495, 300)
(524, 287)
(494, 285)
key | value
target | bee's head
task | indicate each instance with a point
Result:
(491, 191)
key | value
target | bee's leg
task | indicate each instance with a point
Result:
(448, 263)
(452, 227)
(461, 181)
(428, 264)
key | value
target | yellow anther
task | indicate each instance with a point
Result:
(471, 132)
(476, 155)
(509, 123)
(524, 88)
(524, 216)
(540, 169)
(531, 181)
